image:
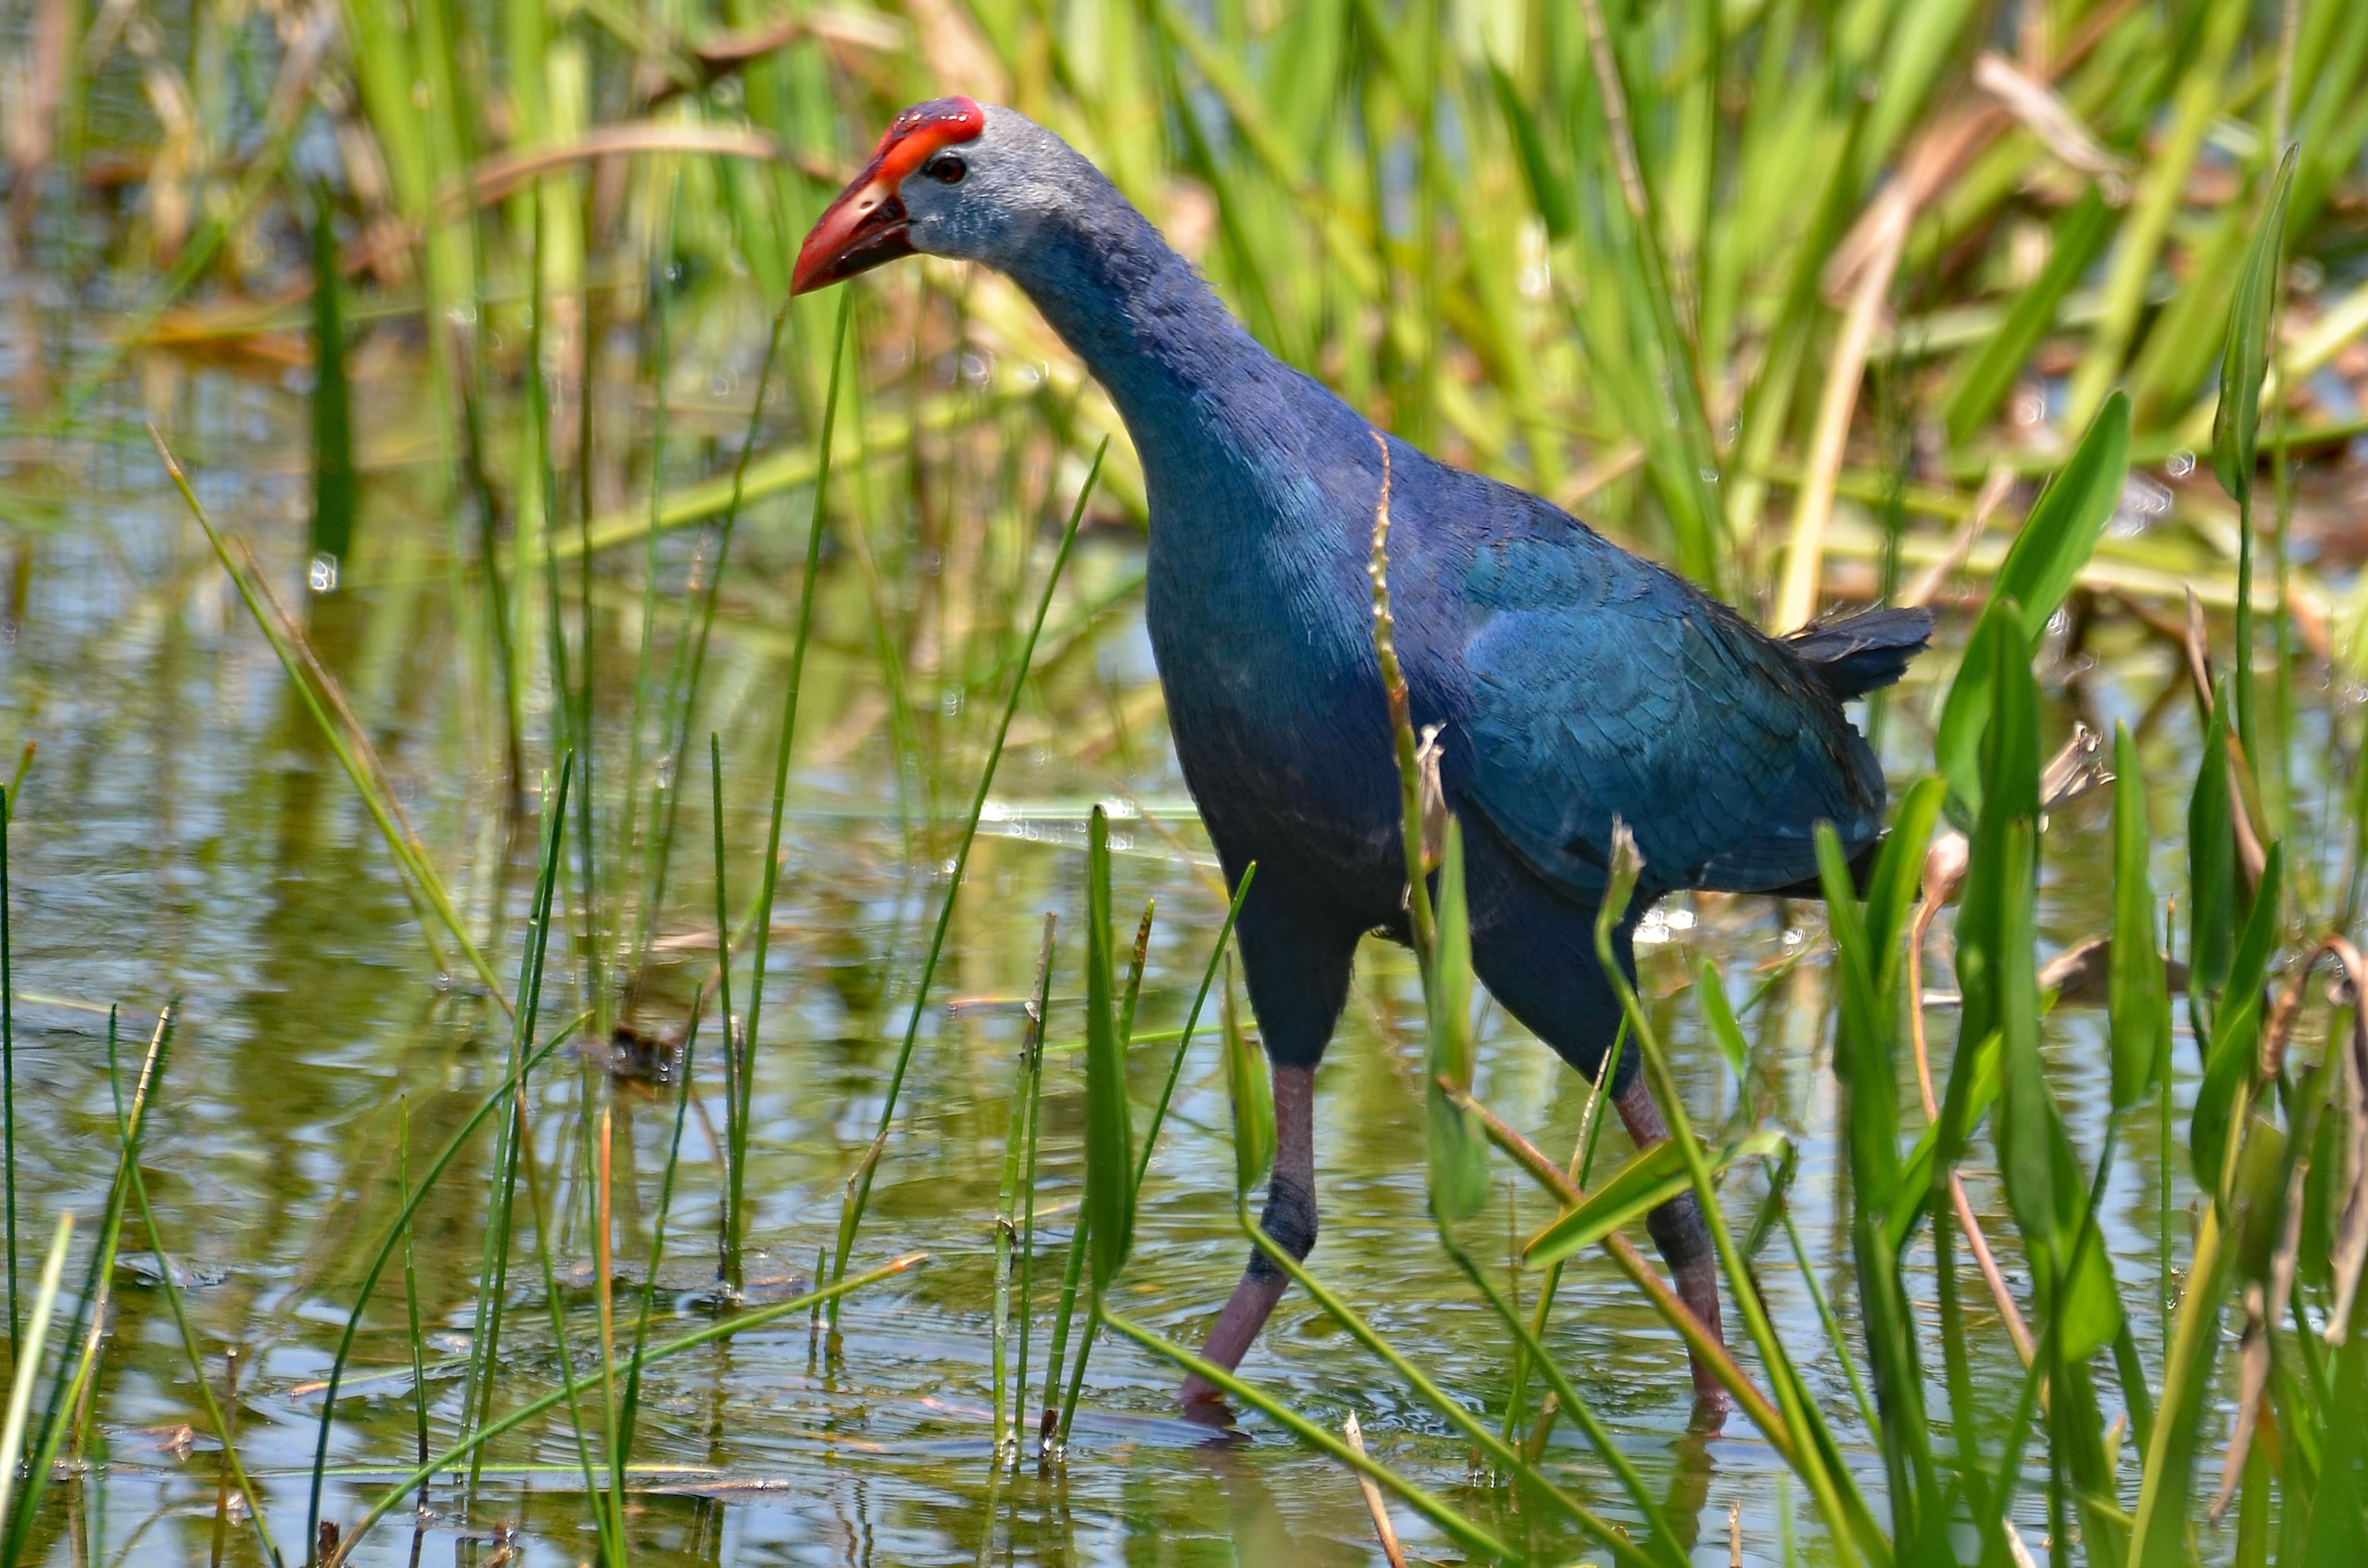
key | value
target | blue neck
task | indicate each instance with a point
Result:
(1212, 413)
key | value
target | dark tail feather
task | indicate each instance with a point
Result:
(1858, 653)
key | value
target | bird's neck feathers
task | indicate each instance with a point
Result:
(1198, 393)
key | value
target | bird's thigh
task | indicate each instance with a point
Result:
(1535, 951)
(1296, 956)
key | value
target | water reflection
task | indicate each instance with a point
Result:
(187, 834)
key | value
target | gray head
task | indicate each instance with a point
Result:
(951, 177)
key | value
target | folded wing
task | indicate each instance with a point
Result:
(1603, 687)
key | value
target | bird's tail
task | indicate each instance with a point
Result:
(1854, 655)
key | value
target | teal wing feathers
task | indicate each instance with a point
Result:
(1603, 687)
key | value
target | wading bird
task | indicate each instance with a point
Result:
(1573, 683)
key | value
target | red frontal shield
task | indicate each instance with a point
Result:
(866, 225)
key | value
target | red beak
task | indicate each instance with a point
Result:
(865, 226)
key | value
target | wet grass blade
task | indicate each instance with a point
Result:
(1454, 1410)
(9, 1061)
(1250, 1089)
(2067, 520)
(1664, 1544)
(2057, 540)
(2211, 896)
(631, 1412)
(575, 1387)
(2235, 423)
(1650, 1177)
(2159, 1528)
(335, 488)
(524, 1058)
(736, 1053)
(1106, 1214)
(27, 1351)
(1019, 1153)
(2138, 1004)
(605, 1519)
(1034, 1091)
(415, 867)
(735, 1173)
(1457, 1149)
(860, 1184)
(2244, 358)
(1451, 1522)
(410, 1283)
(1836, 1492)
(215, 1420)
(79, 1366)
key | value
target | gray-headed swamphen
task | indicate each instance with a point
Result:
(1573, 682)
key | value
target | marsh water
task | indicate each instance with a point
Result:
(185, 838)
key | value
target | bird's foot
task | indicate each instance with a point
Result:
(1204, 1403)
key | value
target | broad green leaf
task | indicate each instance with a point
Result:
(2159, 1538)
(2259, 1190)
(2244, 360)
(1966, 715)
(1651, 1178)
(1109, 1128)
(1862, 1045)
(1973, 1086)
(2002, 872)
(2337, 1533)
(1251, 1091)
(2233, 1053)
(2093, 1305)
(2026, 1118)
(2067, 520)
(2139, 1000)
(1459, 1150)
(1719, 1015)
(1893, 886)
(2211, 869)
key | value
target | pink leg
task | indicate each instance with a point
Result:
(1683, 1235)
(1290, 1219)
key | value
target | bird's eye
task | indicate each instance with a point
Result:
(949, 169)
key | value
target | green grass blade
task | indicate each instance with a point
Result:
(1109, 1130)
(2067, 520)
(858, 1195)
(503, 1098)
(666, 1349)
(2244, 360)
(1192, 1022)
(736, 1207)
(9, 1061)
(335, 489)
(190, 1345)
(1451, 1522)
(2139, 999)
(1250, 1089)
(1458, 1148)
(26, 1349)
